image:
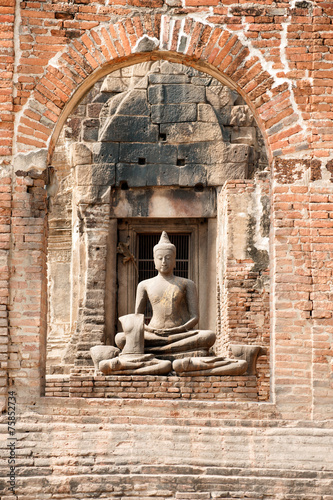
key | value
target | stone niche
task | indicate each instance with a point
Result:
(156, 146)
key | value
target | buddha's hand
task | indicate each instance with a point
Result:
(158, 331)
(175, 329)
(165, 332)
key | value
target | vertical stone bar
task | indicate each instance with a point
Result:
(111, 284)
(91, 319)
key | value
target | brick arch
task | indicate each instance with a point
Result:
(132, 40)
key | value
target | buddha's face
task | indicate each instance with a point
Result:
(165, 261)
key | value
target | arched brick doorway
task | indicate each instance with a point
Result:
(150, 148)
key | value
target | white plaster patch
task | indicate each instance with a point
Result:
(283, 55)
(257, 211)
(268, 65)
(154, 42)
(201, 17)
(325, 175)
(17, 49)
(181, 36)
(5, 170)
(32, 160)
(171, 29)
(237, 248)
(162, 32)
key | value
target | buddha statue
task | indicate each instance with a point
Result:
(132, 360)
(170, 335)
(174, 303)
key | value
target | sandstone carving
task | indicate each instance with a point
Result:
(102, 352)
(132, 359)
(248, 352)
(175, 308)
(213, 365)
(170, 331)
(153, 140)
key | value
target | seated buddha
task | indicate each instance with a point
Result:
(175, 308)
(171, 331)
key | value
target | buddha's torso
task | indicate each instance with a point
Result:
(168, 300)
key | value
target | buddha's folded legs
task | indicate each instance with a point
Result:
(145, 364)
(214, 365)
(180, 342)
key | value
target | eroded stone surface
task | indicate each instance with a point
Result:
(132, 359)
(154, 140)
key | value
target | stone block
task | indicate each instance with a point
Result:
(220, 96)
(146, 44)
(129, 129)
(147, 175)
(238, 153)
(133, 175)
(106, 152)
(162, 175)
(244, 135)
(98, 174)
(150, 153)
(139, 82)
(197, 80)
(110, 107)
(191, 132)
(190, 175)
(207, 153)
(164, 203)
(206, 113)
(81, 154)
(94, 109)
(114, 83)
(176, 94)
(134, 103)
(72, 128)
(93, 194)
(168, 78)
(219, 173)
(169, 68)
(169, 113)
(90, 128)
(143, 68)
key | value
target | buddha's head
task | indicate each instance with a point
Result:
(165, 255)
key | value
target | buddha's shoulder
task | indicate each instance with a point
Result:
(146, 283)
(184, 282)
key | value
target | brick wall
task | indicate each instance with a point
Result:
(244, 271)
(80, 384)
(279, 57)
(28, 302)
(301, 248)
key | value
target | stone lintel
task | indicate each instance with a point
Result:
(163, 203)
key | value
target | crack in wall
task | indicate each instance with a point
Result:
(183, 42)
(268, 65)
(202, 17)
(17, 56)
